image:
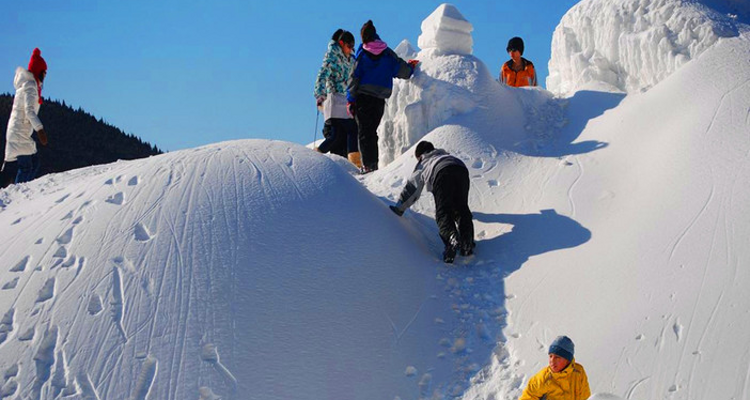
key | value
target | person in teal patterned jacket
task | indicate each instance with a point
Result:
(340, 129)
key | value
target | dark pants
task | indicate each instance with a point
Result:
(341, 137)
(8, 174)
(369, 112)
(28, 167)
(452, 214)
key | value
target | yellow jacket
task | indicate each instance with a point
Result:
(568, 384)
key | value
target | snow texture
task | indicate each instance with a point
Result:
(446, 31)
(262, 269)
(631, 45)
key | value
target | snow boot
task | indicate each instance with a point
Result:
(467, 249)
(449, 254)
(356, 159)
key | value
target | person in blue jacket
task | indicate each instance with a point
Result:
(372, 82)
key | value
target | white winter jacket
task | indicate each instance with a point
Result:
(23, 118)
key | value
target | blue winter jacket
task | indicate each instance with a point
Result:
(373, 74)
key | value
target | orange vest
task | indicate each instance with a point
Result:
(525, 77)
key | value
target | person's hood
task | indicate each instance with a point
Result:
(22, 76)
(375, 47)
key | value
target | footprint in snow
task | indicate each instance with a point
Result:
(77, 220)
(69, 215)
(95, 305)
(28, 335)
(477, 164)
(207, 394)
(61, 252)
(11, 285)
(492, 183)
(141, 233)
(18, 221)
(47, 292)
(61, 199)
(39, 241)
(398, 183)
(133, 181)
(117, 199)
(66, 237)
(69, 262)
(21, 266)
(6, 325)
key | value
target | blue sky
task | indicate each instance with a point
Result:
(182, 74)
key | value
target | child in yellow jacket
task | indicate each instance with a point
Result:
(562, 379)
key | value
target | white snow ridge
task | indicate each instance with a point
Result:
(259, 269)
(631, 45)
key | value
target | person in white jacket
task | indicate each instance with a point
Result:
(20, 147)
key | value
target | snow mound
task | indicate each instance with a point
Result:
(446, 31)
(232, 270)
(631, 45)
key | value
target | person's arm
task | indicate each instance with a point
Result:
(351, 91)
(532, 72)
(322, 78)
(413, 189)
(585, 390)
(31, 99)
(534, 390)
(401, 68)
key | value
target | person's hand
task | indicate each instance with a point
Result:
(350, 108)
(319, 101)
(42, 136)
(396, 210)
(413, 63)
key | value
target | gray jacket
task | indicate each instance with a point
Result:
(424, 175)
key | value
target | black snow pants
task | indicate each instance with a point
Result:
(368, 113)
(452, 214)
(341, 135)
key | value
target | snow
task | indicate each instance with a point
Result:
(631, 45)
(405, 50)
(446, 31)
(262, 269)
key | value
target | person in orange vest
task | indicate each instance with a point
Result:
(518, 71)
(562, 379)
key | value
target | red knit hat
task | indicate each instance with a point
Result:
(37, 63)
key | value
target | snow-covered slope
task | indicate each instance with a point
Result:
(656, 300)
(260, 269)
(631, 45)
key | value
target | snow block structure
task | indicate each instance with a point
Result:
(446, 31)
(448, 83)
(631, 45)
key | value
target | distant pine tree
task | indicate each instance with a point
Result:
(76, 139)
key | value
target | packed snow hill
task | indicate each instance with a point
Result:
(260, 269)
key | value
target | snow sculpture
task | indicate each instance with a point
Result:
(631, 45)
(443, 86)
(405, 50)
(446, 31)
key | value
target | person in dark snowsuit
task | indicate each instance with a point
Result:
(517, 71)
(339, 130)
(372, 82)
(447, 178)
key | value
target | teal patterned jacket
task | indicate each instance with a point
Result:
(335, 73)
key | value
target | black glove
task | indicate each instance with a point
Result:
(396, 210)
(351, 109)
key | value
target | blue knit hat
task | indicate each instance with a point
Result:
(563, 347)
